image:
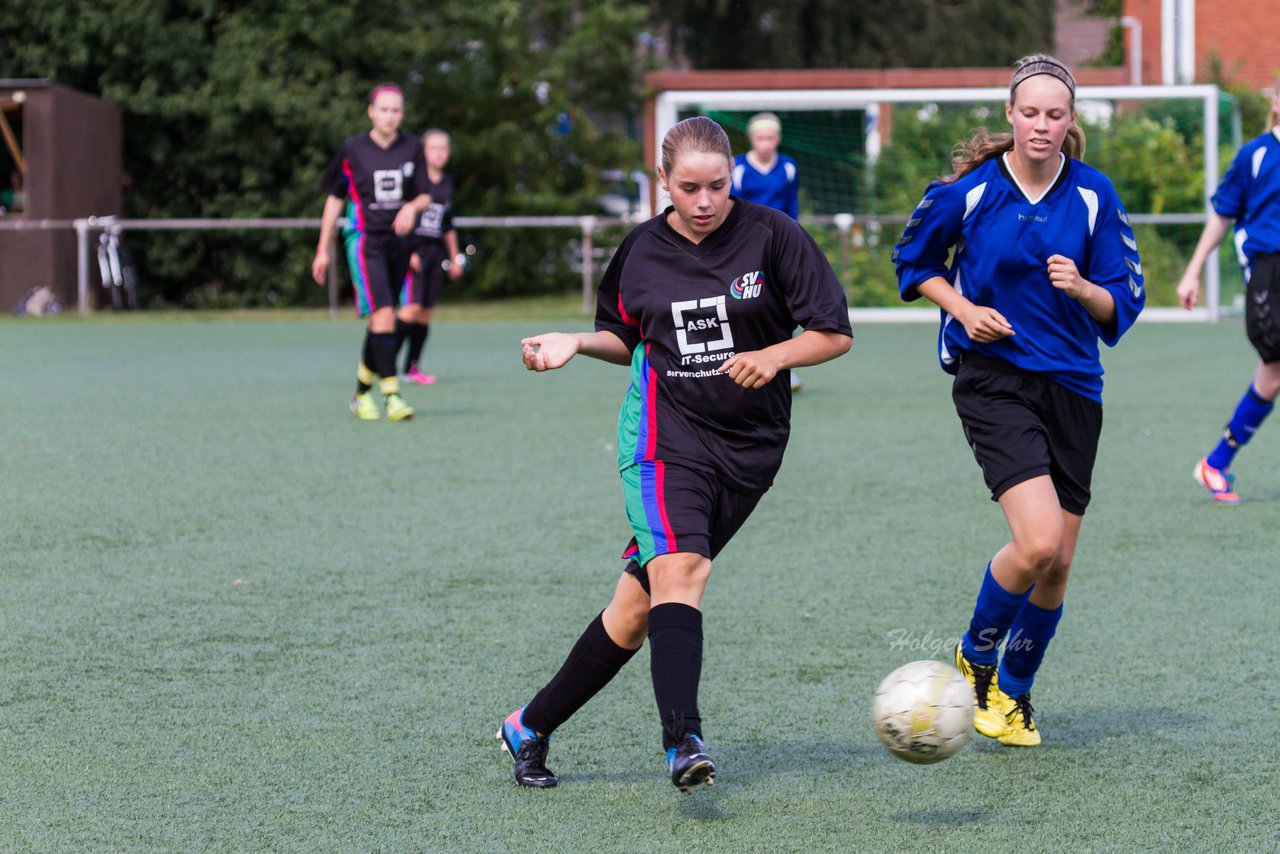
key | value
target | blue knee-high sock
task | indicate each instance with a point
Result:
(1250, 412)
(1028, 639)
(993, 614)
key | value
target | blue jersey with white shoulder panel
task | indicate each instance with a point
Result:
(1002, 242)
(779, 188)
(1250, 194)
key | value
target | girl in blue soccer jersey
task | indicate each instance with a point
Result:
(1250, 195)
(1045, 265)
(763, 175)
(380, 178)
(701, 302)
(767, 177)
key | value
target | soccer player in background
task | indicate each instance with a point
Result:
(380, 177)
(701, 302)
(435, 251)
(1250, 195)
(763, 175)
(1045, 264)
(766, 177)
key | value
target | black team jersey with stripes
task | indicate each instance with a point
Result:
(437, 220)
(684, 308)
(376, 181)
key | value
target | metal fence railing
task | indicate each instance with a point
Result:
(86, 227)
(586, 227)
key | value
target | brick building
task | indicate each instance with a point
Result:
(1180, 37)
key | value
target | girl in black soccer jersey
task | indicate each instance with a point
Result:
(1249, 194)
(435, 255)
(700, 301)
(1031, 258)
(381, 179)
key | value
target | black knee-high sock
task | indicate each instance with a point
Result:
(418, 333)
(382, 354)
(592, 663)
(675, 653)
(366, 361)
(402, 333)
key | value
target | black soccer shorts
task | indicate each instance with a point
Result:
(674, 508)
(1261, 307)
(1022, 424)
(423, 287)
(378, 262)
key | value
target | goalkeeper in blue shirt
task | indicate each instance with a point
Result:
(767, 177)
(763, 175)
(1045, 264)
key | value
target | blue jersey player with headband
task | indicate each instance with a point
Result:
(763, 175)
(1250, 195)
(767, 177)
(1045, 264)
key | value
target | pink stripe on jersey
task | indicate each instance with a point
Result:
(358, 225)
(660, 490)
(650, 409)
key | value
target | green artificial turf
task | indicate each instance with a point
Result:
(236, 619)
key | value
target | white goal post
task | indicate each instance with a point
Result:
(668, 105)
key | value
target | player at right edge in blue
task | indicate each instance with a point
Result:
(1249, 194)
(1045, 265)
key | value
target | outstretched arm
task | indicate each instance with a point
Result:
(757, 368)
(1189, 288)
(553, 350)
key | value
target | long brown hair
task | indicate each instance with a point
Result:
(982, 145)
(694, 134)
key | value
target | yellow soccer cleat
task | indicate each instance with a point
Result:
(1020, 726)
(397, 409)
(989, 711)
(364, 407)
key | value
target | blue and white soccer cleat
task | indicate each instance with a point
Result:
(690, 764)
(528, 750)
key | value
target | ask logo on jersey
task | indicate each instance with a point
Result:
(702, 328)
(747, 286)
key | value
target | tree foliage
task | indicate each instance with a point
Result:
(867, 34)
(232, 108)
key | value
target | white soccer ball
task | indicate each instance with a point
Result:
(923, 711)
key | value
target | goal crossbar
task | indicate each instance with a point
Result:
(667, 106)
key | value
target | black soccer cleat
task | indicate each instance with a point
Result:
(690, 764)
(529, 750)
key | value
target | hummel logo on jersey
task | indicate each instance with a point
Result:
(747, 286)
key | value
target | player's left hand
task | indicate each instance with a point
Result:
(406, 219)
(455, 272)
(752, 369)
(1066, 277)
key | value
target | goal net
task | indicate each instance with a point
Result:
(865, 157)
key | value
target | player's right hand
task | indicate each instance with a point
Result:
(1189, 292)
(985, 324)
(319, 267)
(548, 351)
